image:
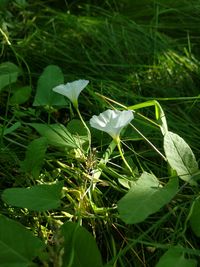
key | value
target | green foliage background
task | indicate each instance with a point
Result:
(131, 52)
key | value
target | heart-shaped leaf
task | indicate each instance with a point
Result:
(51, 77)
(145, 197)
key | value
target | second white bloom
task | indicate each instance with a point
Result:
(112, 121)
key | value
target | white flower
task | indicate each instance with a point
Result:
(112, 121)
(71, 90)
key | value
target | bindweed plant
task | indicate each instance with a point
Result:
(76, 196)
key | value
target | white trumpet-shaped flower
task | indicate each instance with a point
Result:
(71, 90)
(112, 122)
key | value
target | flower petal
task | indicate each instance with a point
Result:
(60, 89)
(112, 121)
(71, 90)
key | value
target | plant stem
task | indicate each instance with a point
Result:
(88, 130)
(123, 158)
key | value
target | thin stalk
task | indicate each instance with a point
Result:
(88, 130)
(155, 148)
(123, 158)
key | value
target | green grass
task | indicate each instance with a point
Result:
(131, 54)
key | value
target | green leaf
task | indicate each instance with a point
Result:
(8, 74)
(76, 127)
(180, 157)
(51, 77)
(80, 248)
(159, 113)
(11, 129)
(57, 135)
(195, 216)
(18, 246)
(145, 197)
(175, 257)
(79, 132)
(37, 198)
(20, 95)
(34, 157)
